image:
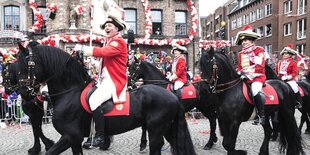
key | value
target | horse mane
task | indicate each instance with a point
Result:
(150, 67)
(59, 64)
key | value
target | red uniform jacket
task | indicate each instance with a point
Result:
(180, 70)
(114, 56)
(247, 59)
(287, 67)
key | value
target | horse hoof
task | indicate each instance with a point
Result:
(106, 144)
(49, 145)
(207, 147)
(215, 140)
(142, 147)
(237, 152)
(34, 151)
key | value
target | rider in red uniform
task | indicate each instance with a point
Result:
(178, 74)
(112, 83)
(251, 66)
(287, 70)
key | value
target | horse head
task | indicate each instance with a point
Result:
(216, 66)
(10, 78)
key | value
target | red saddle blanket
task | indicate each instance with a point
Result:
(301, 91)
(118, 109)
(188, 91)
(271, 97)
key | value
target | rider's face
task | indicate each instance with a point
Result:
(246, 42)
(110, 29)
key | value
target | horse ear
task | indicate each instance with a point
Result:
(211, 52)
(136, 60)
(20, 46)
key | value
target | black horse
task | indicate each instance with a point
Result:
(33, 108)
(234, 108)
(156, 108)
(305, 110)
(207, 104)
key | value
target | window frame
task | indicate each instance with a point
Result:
(130, 23)
(183, 24)
(156, 25)
(12, 16)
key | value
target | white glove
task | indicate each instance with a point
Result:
(88, 51)
(289, 77)
(284, 78)
(168, 75)
(78, 47)
(242, 77)
(173, 77)
(258, 60)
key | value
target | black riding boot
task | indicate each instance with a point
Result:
(299, 100)
(259, 101)
(178, 92)
(99, 126)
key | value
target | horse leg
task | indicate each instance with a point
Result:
(156, 141)
(36, 149)
(230, 132)
(34, 114)
(302, 120)
(308, 124)
(264, 149)
(213, 138)
(60, 146)
(143, 140)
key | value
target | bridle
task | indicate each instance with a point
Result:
(212, 82)
(7, 80)
(30, 82)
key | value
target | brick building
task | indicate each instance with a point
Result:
(279, 22)
(171, 19)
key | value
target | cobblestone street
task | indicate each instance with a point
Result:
(18, 139)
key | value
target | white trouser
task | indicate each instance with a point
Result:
(103, 93)
(178, 85)
(256, 87)
(293, 85)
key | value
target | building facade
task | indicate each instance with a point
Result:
(171, 19)
(279, 22)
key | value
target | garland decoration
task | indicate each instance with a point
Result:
(51, 7)
(79, 9)
(169, 41)
(37, 25)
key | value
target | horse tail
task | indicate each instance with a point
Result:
(183, 144)
(290, 137)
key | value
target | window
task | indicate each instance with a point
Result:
(268, 30)
(268, 9)
(260, 30)
(233, 40)
(11, 18)
(260, 13)
(131, 19)
(301, 48)
(268, 49)
(287, 29)
(233, 24)
(43, 11)
(180, 23)
(253, 16)
(302, 7)
(301, 29)
(287, 7)
(239, 22)
(156, 21)
(246, 19)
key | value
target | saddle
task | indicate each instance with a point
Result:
(188, 90)
(271, 96)
(108, 107)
